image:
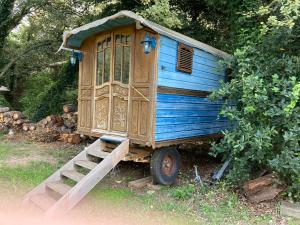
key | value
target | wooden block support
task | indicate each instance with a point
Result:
(266, 194)
(290, 209)
(140, 183)
(258, 184)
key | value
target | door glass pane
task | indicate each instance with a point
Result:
(128, 39)
(99, 47)
(118, 38)
(118, 60)
(126, 64)
(107, 65)
(108, 41)
(99, 68)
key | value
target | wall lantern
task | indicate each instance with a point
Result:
(148, 43)
(75, 56)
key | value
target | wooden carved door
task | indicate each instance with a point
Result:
(102, 85)
(120, 90)
(112, 81)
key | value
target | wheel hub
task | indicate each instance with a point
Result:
(168, 165)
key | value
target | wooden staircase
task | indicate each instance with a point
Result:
(56, 196)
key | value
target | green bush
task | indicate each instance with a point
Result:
(265, 90)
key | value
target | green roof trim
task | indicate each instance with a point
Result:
(74, 38)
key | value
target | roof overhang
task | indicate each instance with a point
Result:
(73, 39)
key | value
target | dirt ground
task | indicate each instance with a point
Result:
(24, 164)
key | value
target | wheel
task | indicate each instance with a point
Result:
(164, 166)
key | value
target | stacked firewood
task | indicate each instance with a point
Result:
(59, 127)
(52, 128)
(13, 120)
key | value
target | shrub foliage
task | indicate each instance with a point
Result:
(265, 93)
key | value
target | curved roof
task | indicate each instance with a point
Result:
(73, 39)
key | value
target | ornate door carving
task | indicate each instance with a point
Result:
(111, 83)
(120, 91)
(102, 83)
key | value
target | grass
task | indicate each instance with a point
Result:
(9, 149)
(112, 194)
(30, 174)
(185, 204)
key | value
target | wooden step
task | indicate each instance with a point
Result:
(43, 201)
(97, 153)
(86, 164)
(59, 187)
(112, 139)
(72, 174)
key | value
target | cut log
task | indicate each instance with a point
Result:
(25, 127)
(74, 139)
(4, 109)
(18, 122)
(32, 127)
(258, 184)
(8, 120)
(266, 194)
(70, 123)
(69, 108)
(63, 137)
(9, 114)
(17, 115)
(66, 130)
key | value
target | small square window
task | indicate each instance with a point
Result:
(185, 58)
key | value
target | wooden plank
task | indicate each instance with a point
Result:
(183, 97)
(166, 41)
(188, 106)
(140, 183)
(163, 121)
(98, 153)
(69, 200)
(86, 164)
(290, 209)
(160, 144)
(73, 175)
(59, 187)
(43, 201)
(189, 127)
(113, 139)
(178, 91)
(187, 134)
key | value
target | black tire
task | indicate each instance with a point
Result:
(165, 165)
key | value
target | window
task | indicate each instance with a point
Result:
(185, 58)
(103, 61)
(122, 58)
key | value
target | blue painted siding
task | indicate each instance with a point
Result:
(181, 116)
(206, 75)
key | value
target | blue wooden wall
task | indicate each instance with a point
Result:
(206, 75)
(182, 116)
